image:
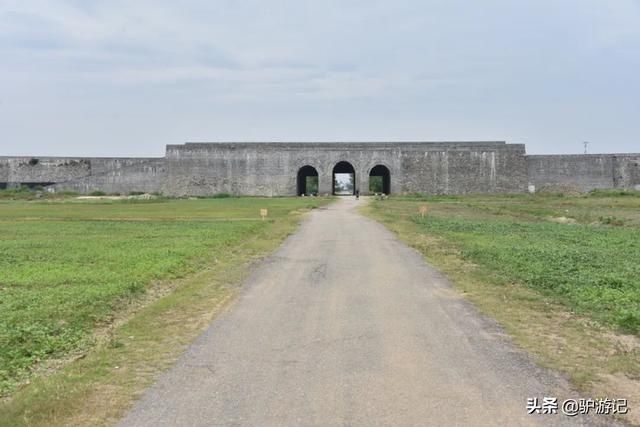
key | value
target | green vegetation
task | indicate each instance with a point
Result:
(70, 267)
(593, 270)
(37, 192)
(614, 193)
(343, 183)
(376, 184)
(311, 184)
(582, 251)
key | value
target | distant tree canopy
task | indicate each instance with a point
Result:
(312, 185)
(344, 183)
(376, 184)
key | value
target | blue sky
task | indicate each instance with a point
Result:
(124, 78)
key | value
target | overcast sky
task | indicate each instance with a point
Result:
(124, 78)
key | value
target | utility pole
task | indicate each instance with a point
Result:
(585, 143)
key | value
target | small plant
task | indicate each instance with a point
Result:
(97, 193)
(611, 220)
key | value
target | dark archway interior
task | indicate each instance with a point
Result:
(344, 179)
(380, 180)
(307, 181)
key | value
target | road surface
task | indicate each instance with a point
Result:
(346, 325)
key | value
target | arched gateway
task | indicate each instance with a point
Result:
(380, 180)
(344, 179)
(307, 181)
(289, 168)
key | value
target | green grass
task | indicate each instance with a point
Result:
(25, 193)
(69, 267)
(591, 264)
(594, 270)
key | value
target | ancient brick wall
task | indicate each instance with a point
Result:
(76, 172)
(271, 168)
(584, 172)
(144, 175)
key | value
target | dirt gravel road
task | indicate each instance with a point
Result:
(346, 325)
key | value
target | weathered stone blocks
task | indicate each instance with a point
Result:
(271, 169)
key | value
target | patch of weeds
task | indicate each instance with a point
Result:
(614, 193)
(628, 321)
(611, 220)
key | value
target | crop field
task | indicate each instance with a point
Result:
(580, 251)
(68, 266)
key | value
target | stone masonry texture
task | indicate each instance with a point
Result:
(271, 169)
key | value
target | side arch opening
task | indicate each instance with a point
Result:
(380, 180)
(307, 181)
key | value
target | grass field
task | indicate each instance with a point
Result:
(69, 267)
(582, 251)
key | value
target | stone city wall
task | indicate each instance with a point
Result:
(584, 172)
(71, 171)
(271, 169)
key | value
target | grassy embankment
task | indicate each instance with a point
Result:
(561, 274)
(119, 288)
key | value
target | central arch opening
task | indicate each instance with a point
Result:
(344, 179)
(380, 180)
(307, 181)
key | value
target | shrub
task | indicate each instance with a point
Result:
(221, 195)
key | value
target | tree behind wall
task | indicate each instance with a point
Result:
(376, 184)
(312, 185)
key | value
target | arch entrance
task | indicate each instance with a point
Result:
(307, 181)
(380, 180)
(344, 179)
